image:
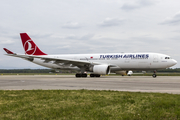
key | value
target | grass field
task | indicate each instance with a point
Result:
(87, 104)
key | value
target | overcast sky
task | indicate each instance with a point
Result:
(89, 26)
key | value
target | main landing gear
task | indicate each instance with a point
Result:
(81, 75)
(85, 75)
(95, 75)
(154, 75)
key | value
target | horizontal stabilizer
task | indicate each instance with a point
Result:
(8, 51)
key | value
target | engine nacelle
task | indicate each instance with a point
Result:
(100, 69)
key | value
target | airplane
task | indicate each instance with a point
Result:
(96, 64)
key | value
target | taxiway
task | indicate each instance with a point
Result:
(161, 84)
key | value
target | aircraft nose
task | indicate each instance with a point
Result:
(174, 62)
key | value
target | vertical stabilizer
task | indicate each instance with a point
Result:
(29, 46)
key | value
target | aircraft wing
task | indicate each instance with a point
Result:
(79, 63)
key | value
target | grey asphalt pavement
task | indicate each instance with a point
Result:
(161, 84)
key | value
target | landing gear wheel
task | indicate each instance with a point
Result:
(92, 75)
(81, 75)
(84, 75)
(97, 75)
(78, 75)
(154, 75)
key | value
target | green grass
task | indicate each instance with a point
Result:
(87, 104)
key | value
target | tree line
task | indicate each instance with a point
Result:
(66, 71)
(35, 71)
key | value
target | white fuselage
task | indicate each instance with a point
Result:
(121, 61)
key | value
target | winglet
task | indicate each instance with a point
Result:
(30, 47)
(8, 51)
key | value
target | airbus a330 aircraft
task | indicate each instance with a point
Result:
(97, 64)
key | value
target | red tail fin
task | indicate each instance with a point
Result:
(30, 47)
(8, 51)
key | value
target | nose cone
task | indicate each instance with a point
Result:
(171, 63)
(174, 62)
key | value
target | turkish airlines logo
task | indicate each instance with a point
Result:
(29, 47)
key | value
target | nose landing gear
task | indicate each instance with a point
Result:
(154, 75)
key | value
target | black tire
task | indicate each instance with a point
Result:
(154, 75)
(84, 75)
(78, 75)
(92, 75)
(97, 75)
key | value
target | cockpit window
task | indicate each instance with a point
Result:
(167, 58)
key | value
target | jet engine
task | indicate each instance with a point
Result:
(100, 69)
